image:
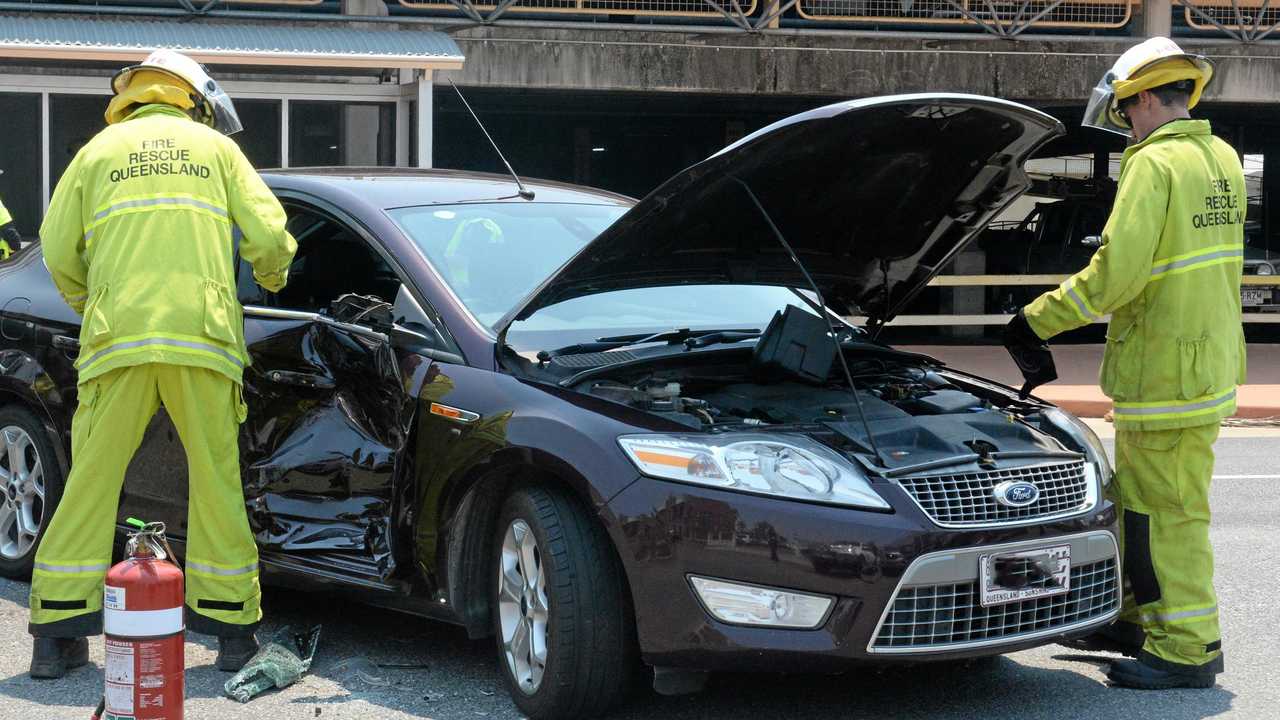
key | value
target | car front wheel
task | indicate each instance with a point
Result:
(562, 617)
(31, 483)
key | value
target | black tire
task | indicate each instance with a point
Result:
(54, 477)
(591, 657)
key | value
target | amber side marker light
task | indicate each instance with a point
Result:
(454, 413)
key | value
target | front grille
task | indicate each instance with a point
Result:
(962, 499)
(936, 616)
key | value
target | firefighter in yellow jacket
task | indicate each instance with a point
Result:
(138, 238)
(10, 238)
(1168, 273)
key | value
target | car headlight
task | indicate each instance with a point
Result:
(1266, 269)
(783, 466)
(1083, 436)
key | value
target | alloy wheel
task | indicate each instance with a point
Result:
(22, 482)
(522, 606)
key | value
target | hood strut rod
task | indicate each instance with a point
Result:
(835, 337)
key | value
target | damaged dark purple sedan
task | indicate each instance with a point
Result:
(620, 436)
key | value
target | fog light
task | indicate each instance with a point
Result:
(754, 605)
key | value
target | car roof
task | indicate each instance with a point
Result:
(390, 187)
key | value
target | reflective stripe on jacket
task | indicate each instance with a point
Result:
(138, 238)
(1169, 273)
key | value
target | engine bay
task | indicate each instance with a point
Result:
(885, 391)
(917, 415)
(896, 409)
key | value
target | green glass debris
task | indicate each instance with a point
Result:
(277, 664)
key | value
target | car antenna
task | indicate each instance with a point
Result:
(844, 364)
(522, 191)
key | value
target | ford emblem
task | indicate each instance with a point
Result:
(1016, 493)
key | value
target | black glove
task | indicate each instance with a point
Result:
(1030, 353)
(10, 232)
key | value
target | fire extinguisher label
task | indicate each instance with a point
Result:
(119, 663)
(113, 598)
(120, 698)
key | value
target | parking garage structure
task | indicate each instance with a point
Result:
(620, 94)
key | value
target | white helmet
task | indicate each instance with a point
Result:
(1149, 64)
(212, 106)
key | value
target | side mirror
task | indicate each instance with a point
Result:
(411, 319)
(1092, 241)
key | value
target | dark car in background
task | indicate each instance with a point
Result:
(610, 433)
(1058, 237)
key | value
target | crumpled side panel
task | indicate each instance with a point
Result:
(328, 423)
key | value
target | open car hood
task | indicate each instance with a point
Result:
(874, 195)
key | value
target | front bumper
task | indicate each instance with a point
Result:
(886, 571)
(935, 608)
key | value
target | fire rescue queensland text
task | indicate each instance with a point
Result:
(1221, 207)
(159, 156)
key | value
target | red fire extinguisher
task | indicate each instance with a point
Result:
(142, 617)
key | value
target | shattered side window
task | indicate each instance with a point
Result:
(331, 261)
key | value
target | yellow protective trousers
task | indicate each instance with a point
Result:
(1161, 489)
(221, 563)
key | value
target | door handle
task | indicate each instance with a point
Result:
(66, 343)
(307, 380)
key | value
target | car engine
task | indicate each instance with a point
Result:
(917, 414)
(886, 393)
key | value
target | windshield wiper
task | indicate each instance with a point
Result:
(671, 337)
(724, 336)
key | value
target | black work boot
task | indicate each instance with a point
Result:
(234, 652)
(1122, 638)
(53, 657)
(1149, 672)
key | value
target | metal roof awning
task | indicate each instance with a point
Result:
(80, 38)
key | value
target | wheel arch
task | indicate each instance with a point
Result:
(469, 517)
(20, 377)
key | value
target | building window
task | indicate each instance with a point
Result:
(334, 133)
(260, 139)
(20, 160)
(73, 121)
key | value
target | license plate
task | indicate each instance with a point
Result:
(1024, 575)
(1254, 296)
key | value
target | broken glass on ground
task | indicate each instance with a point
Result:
(357, 672)
(360, 673)
(279, 664)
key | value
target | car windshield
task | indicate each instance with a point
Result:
(651, 310)
(494, 254)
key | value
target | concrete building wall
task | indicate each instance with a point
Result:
(828, 64)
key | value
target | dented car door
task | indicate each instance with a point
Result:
(328, 419)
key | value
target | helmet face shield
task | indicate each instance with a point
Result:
(1100, 112)
(222, 113)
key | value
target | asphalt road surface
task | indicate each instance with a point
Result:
(418, 669)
